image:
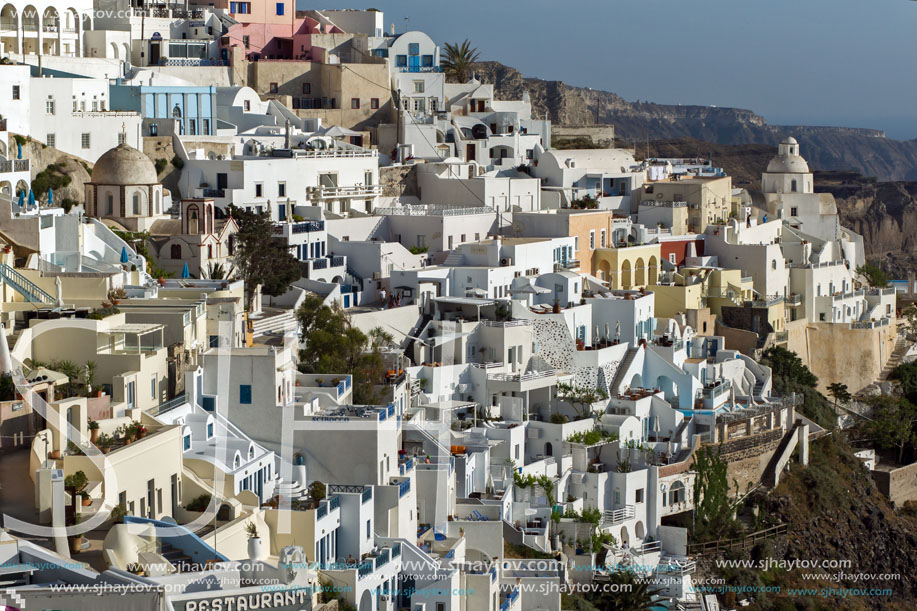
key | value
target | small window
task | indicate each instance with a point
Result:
(246, 104)
(401, 61)
(418, 86)
(245, 43)
(374, 103)
(307, 87)
(672, 258)
(259, 189)
(602, 241)
(281, 189)
(15, 92)
(414, 48)
(209, 430)
(153, 386)
(122, 137)
(369, 526)
(280, 8)
(354, 103)
(794, 211)
(245, 394)
(84, 141)
(187, 443)
(49, 107)
(592, 240)
(51, 140)
(639, 496)
(274, 88)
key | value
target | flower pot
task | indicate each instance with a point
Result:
(93, 435)
(106, 450)
(141, 434)
(127, 440)
(76, 542)
(254, 548)
(87, 501)
(54, 455)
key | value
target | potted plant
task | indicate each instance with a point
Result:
(118, 512)
(75, 541)
(105, 442)
(128, 431)
(254, 541)
(54, 454)
(138, 429)
(93, 430)
(86, 499)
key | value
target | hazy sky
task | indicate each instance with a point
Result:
(825, 62)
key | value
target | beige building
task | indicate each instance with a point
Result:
(629, 267)
(353, 96)
(708, 201)
(198, 238)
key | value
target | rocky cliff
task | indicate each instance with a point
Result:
(829, 148)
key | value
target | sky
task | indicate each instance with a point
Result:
(814, 62)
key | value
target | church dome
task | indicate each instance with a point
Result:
(124, 165)
(788, 159)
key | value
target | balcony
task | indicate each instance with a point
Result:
(617, 516)
(213, 193)
(321, 193)
(14, 165)
(419, 69)
(794, 299)
(567, 264)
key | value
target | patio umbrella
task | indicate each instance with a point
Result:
(18, 151)
(31, 197)
(21, 199)
(185, 272)
(50, 195)
(124, 258)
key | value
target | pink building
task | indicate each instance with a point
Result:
(274, 30)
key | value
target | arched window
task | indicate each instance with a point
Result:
(135, 204)
(193, 220)
(176, 251)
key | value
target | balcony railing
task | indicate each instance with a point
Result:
(419, 69)
(521, 377)
(616, 516)
(404, 487)
(507, 323)
(568, 264)
(214, 192)
(339, 192)
(14, 165)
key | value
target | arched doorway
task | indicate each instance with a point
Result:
(639, 530)
(653, 271)
(639, 272)
(636, 381)
(625, 538)
(625, 275)
(366, 601)
(549, 449)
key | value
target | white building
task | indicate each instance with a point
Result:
(45, 28)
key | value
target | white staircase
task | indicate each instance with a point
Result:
(615, 387)
(278, 323)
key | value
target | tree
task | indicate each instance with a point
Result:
(216, 271)
(839, 392)
(712, 506)
(458, 60)
(260, 257)
(580, 395)
(628, 593)
(875, 276)
(894, 424)
(333, 346)
(906, 373)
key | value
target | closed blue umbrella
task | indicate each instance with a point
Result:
(21, 199)
(50, 195)
(124, 254)
(31, 197)
(18, 151)
(185, 272)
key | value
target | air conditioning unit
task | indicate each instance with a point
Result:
(506, 261)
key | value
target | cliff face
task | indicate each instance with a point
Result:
(828, 148)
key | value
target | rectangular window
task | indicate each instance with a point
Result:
(281, 189)
(209, 430)
(259, 189)
(49, 107)
(187, 443)
(592, 240)
(95, 106)
(245, 42)
(354, 103)
(51, 140)
(121, 138)
(794, 211)
(575, 242)
(401, 61)
(274, 88)
(192, 127)
(247, 105)
(374, 103)
(639, 495)
(307, 87)
(245, 394)
(205, 130)
(427, 61)
(602, 241)
(153, 386)
(15, 92)
(418, 86)
(414, 48)
(369, 526)
(84, 141)
(672, 258)
(280, 8)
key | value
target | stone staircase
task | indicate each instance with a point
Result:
(454, 259)
(615, 387)
(294, 490)
(277, 323)
(179, 559)
(901, 348)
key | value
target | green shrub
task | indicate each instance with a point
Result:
(160, 165)
(178, 162)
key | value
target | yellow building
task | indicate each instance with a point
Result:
(708, 200)
(629, 267)
(699, 287)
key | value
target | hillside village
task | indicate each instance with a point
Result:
(299, 314)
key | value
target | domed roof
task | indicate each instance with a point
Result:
(789, 140)
(124, 165)
(788, 164)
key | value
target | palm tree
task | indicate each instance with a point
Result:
(215, 271)
(458, 60)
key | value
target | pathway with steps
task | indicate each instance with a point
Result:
(901, 348)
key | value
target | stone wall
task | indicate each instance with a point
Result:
(855, 357)
(899, 485)
(747, 457)
(601, 136)
(398, 181)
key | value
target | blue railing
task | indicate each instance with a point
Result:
(404, 487)
(367, 495)
(450, 554)
(308, 227)
(382, 559)
(214, 192)
(25, 287)
(335, 502)
(342, 387)
(366, 568)
(391, 409)
(493, 574)
(337, 261)
(396, 550)
(319, 263)
(322, 511)
(419, 69)
(406, 466)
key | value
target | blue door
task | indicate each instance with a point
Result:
(282, 212)
(414, 63)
